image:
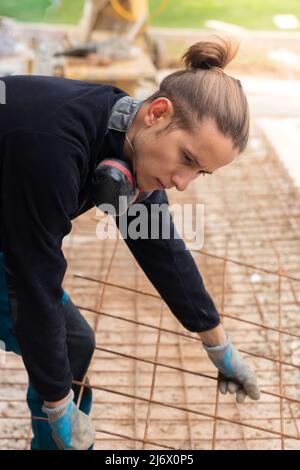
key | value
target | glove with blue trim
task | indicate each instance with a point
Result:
(235, 376)
(72, 429)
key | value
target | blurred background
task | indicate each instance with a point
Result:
(133, 43)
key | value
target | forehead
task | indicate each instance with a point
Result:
(211, 148)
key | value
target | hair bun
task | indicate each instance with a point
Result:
(207, 54)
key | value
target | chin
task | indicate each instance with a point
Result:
(149, 188)
(146, 187)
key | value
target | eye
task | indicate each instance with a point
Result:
(202, 172)
(188, 159)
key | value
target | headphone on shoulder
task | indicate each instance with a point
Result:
(113, 186)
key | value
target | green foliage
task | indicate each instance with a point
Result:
(252, 14)
(42, 10)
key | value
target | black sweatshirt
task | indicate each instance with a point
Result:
(52, 133)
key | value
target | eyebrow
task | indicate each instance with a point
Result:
(196, 161)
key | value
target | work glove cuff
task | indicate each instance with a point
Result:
(58, 411)
(220, 349)
(224, 356)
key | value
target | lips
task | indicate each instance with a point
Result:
(161, 184)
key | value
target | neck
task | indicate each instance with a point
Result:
(131, 133)
(127, 150)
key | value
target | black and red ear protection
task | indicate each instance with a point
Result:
(113, 183)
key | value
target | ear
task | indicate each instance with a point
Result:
(159, 110)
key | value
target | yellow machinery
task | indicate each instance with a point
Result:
(110, 20)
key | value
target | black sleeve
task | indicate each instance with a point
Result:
(40, 184)
(172, 270)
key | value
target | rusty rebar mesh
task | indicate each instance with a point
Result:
(154, 386)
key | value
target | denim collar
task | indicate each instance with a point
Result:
(123, 113)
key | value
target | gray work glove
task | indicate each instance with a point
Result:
(72, 429)
(234, 374)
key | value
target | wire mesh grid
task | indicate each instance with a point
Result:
(153, 385)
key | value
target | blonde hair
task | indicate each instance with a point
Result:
(203, 90)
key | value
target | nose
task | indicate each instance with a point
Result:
(181, 182)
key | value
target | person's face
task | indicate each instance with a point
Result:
(175, 158)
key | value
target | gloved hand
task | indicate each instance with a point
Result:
(234, 374)
(72, 429)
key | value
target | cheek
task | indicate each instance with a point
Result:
(155, 154)
(149, 156)
(146, 148)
